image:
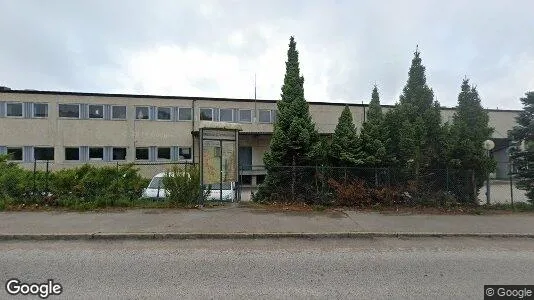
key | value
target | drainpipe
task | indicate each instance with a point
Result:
(192, 130)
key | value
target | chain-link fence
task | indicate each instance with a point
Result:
(502, 186)
(368, 186)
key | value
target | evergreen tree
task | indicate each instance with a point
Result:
(294, 139)
(523, 157)
(344, 148)
(416, 137)
(468, 131)
(373, 136)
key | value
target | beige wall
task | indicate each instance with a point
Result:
(59, 132)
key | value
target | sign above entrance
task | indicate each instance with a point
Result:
(217, 134)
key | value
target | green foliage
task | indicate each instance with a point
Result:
(373, 137)
(344, 148)
(523, 157)
(182, 184)
(466, 134)
(294, 140)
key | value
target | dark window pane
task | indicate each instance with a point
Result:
(14, 110)
(96, 111)
(72, 154)
(118, 112)
(164, 153)
(14, 153)
(141, 113)
(226, 115)
(96, 153)
(206, 114)
(164, 113)
(40, 110)
(43, 153)
(245, 116)
(69, 111)
(184, 114)
(184, 153)
(119, 153)
(265, 116)
(141, 153)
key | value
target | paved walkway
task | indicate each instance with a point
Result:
(253, 220)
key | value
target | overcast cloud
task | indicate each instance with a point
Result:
(213, 48)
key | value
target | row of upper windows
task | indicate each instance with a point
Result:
(119, 112)
(87, 153)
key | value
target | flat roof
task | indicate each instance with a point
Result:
(6, 91)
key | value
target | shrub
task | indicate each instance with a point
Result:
(182, 185)
(351, 193)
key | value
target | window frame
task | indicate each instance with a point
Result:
(21, 110)
(270, 116)
(73, 118)
(89, 112)
(200, 113)
(44, 147)
(163, 159)
(148, 113)
(34, 110)
(241, 121)
(125, 112)
(148, 153)
(170, 113)
(65, 154)
(21, 151)
(190, 114)
(95, 159)
(231, 110)
(190, 153)
(125, 153)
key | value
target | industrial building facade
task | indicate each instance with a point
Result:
(70, 128)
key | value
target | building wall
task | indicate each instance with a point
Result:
(131, 133)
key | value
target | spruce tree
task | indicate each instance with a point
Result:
(469, 129)
(294, 139)
(373, 136)
(523, 156)
(344, 148)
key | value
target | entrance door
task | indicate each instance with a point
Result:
(245, 158)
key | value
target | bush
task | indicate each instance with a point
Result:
(183, 188)
(351, 193)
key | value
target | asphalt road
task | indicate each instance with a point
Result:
(432, 268)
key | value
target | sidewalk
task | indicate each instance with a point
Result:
(230, 220)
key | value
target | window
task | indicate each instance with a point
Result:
(14, 153)
(264, 116)
(206, 114)
(184, 114)
(69, 110)
(164, 113)
(72, 154)
(96, 153)
(96, 111)
(274, 115)
(245, 116)
(119, 153)
(14, 110)
(226, 115)
(164, 153)
(184, 153)
(40, 110)
(43, 153)
(141, 113)
(118, 112)
(141, 153)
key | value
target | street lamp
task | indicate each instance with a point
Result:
(488, 145)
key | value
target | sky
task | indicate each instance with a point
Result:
(214, 48)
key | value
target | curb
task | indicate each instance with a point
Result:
(229, 236)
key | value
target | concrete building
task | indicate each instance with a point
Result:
(72, 128)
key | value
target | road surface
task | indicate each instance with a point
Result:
(385, 268)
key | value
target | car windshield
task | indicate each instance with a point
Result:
(216, 186)
(157, 182)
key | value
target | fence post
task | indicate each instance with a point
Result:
(34, 173)
(473, 183)
(511, 185)
(447, 174)
(46, 179)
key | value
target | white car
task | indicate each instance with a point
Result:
(156, 189)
